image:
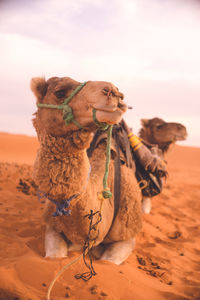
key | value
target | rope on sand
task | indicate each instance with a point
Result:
(60, 273)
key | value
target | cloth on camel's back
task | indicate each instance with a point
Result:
(122, 153)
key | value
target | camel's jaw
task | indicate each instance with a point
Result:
(110, 114)
(170, 138)
(169, 133)
(180, 137)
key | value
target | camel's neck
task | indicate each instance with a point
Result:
(62, 167)
(164, 147)
(143, 135)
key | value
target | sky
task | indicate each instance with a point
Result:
(149, 49)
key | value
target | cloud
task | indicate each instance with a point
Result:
(138, 28)
(154, 39)
(74, 21)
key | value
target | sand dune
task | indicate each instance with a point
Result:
(17, 148)
(164, 265)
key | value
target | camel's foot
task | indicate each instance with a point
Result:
(55, 246)
(118, 252)
(146, 205)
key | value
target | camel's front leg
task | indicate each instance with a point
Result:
(118, 252)
(146, 205)
(55, 246)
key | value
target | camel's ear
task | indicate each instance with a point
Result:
(39, 87)
(144, 122)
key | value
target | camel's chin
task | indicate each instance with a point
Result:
(109, 117)
(181, 138)
(178, 139)
(170, 139)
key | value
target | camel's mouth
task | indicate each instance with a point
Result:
(111, 108)
(110, 114)
(180, 137)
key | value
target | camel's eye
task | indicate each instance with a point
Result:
(159, 126)
(105, 91)
(60, 94)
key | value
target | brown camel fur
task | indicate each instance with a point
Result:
(62, 169)
(162, 134)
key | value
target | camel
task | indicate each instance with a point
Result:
(68, 179)
(157, 132)
(156, 136)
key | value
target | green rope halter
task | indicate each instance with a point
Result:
(106, 192)
(101, 125)
(68, 116)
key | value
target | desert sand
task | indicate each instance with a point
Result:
(164, 265)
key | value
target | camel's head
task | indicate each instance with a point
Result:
(157, 131)
(102, 96)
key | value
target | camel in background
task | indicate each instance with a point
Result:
(155, 139)
(163, 134)
(157, 132)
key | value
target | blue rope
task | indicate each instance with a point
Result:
(61, 207)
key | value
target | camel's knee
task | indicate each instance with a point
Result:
(118, 252)
(55, 246)
(146, 205)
